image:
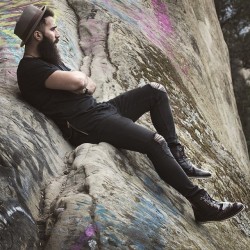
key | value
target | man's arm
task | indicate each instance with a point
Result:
(74, 81)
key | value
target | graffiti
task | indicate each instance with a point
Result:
(4, 221)
(155, 23)
(87, 238)
(81, 205)
(160, 11)
(104, 213)
(12, 210)
(9, 14)
(7, 212)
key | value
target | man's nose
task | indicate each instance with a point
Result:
(57, 34)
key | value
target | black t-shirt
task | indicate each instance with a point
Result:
(59, 105)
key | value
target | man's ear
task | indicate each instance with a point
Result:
(38, 35)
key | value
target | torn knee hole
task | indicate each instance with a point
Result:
(158, 86)
(163, 144)
(159, 139)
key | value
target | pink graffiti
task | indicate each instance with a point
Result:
(90, 231)
(85, 238)
(160, 10)
(156, 26)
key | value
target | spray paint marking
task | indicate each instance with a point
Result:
(160, 10)
(10, 12)
(9, 43)
(87, 238)
(155, 23)
(13, 210)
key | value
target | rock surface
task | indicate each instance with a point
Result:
(100, 197)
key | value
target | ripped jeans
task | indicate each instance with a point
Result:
(121, 131)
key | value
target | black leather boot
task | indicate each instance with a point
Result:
(178, 152)
(207, 209)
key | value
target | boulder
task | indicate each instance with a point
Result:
(54, 196)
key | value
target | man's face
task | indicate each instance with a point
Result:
(47, 46)
(50, 30)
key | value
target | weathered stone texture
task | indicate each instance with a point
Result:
(100, 197)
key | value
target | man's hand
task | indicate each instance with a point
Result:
(89, 88)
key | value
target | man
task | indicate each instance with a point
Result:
(66, 97)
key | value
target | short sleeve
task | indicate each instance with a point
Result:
(34, 72)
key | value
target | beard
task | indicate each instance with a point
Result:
(48, 51)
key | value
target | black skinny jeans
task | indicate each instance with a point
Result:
(121, 131)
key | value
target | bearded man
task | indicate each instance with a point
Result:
(65, 96)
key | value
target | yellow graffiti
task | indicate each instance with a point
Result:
(9, 14)
(1, 42)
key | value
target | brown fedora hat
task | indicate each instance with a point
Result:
(28, 21)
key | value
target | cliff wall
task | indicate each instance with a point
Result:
(53, 196)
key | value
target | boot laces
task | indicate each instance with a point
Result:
(210, 202)
(183, 158)
(182, 152)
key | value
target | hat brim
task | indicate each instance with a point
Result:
(34, 26)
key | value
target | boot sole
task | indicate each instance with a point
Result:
(200, 177)
(233, 215)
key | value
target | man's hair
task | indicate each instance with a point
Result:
(48, 12)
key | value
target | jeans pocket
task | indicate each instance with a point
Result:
(76, 136)
(73, 128)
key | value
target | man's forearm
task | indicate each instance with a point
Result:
(66, 80)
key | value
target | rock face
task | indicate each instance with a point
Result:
(99, 197)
